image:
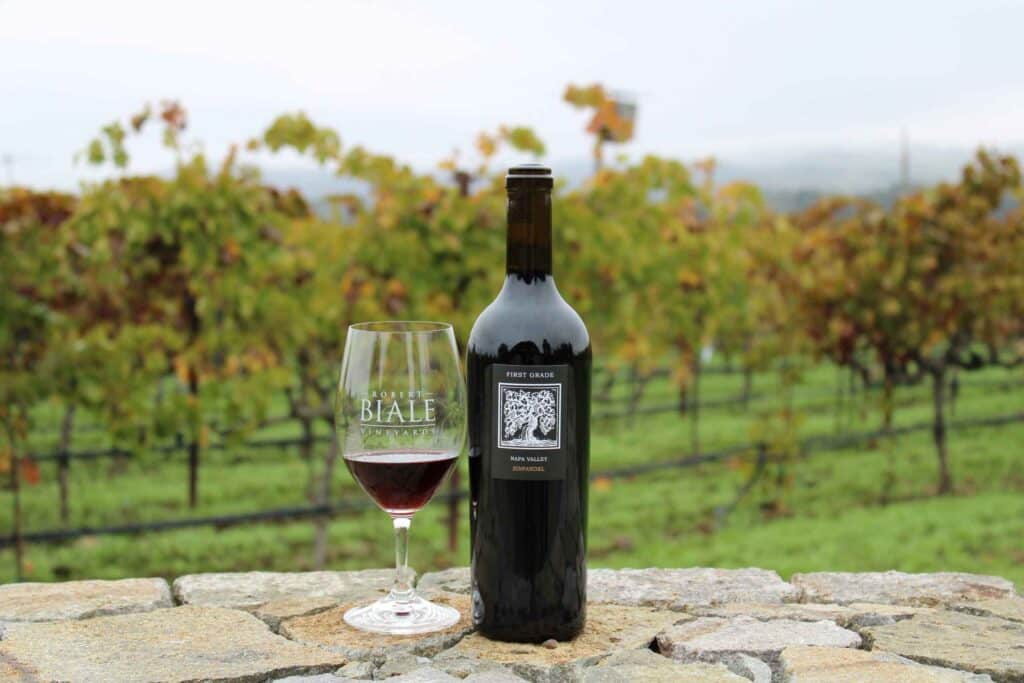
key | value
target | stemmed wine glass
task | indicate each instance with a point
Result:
(401, 419)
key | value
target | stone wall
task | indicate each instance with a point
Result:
(710, 625)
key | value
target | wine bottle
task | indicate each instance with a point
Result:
(528, 366)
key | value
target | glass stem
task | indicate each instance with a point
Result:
(401, 589)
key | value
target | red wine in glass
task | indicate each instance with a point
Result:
(400, 481)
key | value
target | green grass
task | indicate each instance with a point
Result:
(837, 513)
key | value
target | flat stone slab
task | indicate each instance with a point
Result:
(684, 588)
(900, 588)
(1004, 608)
(851, 616)
(328, 630)
(498, 676)
(249, 590)
(9, 673)
(835, 665)
(360, 671)
(81, 599)
(645, 666)
(426, 674)
(668, 588)
(714, 639)
(175, 645)
(400, 663)
(274, 612)
(956, 641)
(454, 580)
(751, 668)
(609, 628)
(466, 667)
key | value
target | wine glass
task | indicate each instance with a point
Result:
(401, 419)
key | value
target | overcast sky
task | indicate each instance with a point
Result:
(745, 80)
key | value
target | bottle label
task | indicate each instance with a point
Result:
(527, 411)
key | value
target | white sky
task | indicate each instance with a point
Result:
(743, 79)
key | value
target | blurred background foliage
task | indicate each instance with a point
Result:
(201, 308)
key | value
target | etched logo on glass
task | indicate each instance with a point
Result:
(398, 412)
(529, 416)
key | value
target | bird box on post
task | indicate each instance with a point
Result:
(614, 119)
(614, 115)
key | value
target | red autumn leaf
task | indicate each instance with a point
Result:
(30, 471)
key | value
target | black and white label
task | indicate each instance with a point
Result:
(527, 414)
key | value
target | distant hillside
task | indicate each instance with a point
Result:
(789, 182)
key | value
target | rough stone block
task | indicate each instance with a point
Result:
(851, 616)
(645, 666)
(957, 641)
(834, 665)
(899, 588)
(685, 588)
(175, 645)
(609, 628)
(248, 590)
(1004, 608)
(328, 630)
(713, 639)
(81, 599)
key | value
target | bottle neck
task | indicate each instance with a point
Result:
(528, 250)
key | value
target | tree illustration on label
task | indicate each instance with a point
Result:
(529, 418)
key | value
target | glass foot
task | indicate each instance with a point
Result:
(402, 617)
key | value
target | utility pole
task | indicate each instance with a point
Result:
(9, 165)
(904, 160)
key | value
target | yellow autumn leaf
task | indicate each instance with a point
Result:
(395, 288)
(688, 279)
(486, 144)
(181, 369)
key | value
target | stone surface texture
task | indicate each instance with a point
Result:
(81, 599)
(643, 625)
(249, 590)
(274, 612)
(668, 588)
(732, 640)
(1004, 608)
(496, 676)
(454, 580)
(176, 644)
(360, 671)
(848, 616)
(424, 674)
(957, 641)
(831, 665)
(328, 630)
(609, 629)
(898, 588)
(646, 666)
(399, 664)
(684, 588)
(750, 668)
